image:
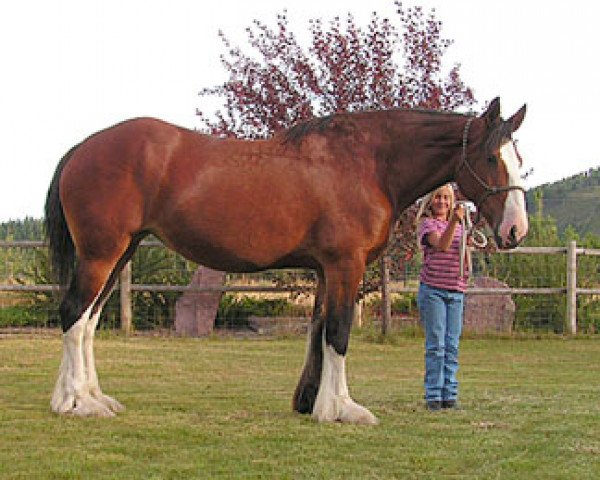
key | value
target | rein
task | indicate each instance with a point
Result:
(489, 190)
(477, 237)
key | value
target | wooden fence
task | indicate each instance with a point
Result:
(571, 291)
(126, 287)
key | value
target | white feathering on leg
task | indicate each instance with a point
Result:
(92, 376)
(72, 391)
(333, 401)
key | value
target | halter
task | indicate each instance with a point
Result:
(467, 224)
(488, 189)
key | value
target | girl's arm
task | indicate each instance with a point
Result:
(442, 241)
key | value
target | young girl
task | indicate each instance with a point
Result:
(441, 294)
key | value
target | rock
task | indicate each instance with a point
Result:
(489, 313)
(195, 312)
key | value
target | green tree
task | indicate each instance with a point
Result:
(25, 266)
(547, 312)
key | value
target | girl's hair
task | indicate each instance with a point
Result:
(425, 207)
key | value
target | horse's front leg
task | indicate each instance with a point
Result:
(308, 385)
(333, 402)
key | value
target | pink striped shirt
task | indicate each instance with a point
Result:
(441, 269)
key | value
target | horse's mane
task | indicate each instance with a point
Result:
(296, 133)
(345, 121)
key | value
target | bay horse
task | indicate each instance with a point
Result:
(322, 195)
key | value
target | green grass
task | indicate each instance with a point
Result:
(220, 408)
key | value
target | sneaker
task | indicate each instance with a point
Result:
(434, 405)
(449, 404)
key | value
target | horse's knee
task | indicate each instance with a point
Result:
(337, 331)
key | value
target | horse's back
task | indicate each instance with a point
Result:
(227, 203)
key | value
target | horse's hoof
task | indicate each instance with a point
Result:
(63, 406)
(304, 399)
(344, 410)
(88, 406)
(110, 403)
(352, 412)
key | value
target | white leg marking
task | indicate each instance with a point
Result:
(92, 376)
(61, 402)
(70, 375)
(515, 213)
(333, 403)
(77, 373)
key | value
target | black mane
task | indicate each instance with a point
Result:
(344, 122)
(296, 133)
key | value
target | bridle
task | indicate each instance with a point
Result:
(488, 189)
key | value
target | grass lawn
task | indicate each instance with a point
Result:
(220, 408)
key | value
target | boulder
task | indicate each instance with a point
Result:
(489, 313)
(195, 312)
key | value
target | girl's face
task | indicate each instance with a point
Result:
(441, 203)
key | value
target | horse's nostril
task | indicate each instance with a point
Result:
(513, 233)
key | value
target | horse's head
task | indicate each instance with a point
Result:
(488, 173)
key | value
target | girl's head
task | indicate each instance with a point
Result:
(437, 204)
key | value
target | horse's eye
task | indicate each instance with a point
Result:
(493, 159)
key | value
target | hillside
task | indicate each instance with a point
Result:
(572, 201)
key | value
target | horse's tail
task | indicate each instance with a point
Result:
(60, 242)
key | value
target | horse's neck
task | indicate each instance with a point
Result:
(432, 161)
(415, 186)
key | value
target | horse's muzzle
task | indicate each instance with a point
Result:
(512, 240)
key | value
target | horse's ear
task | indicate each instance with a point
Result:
(492, 112)
(516, 120)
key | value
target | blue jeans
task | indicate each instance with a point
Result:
(441, 314)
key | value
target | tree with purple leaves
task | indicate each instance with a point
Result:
(345, 67)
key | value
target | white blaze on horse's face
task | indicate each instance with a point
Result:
(514, 225)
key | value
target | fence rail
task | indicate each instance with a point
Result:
(570, 290)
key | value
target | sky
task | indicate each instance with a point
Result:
(69, 68)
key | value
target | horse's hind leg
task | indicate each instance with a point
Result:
(63, 397)
(90, 331)
(308, 385)
(79, 316)
(71, 393)
(90, 363)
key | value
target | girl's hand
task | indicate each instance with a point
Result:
(458, 214)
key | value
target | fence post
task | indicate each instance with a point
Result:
(571, 310)
(386, 301)
(125, 295)
(358, 314)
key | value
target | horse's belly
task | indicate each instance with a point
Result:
(238, 222)
(232, 243)
(233, 258)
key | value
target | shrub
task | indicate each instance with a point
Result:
(24, 316)
(234, 311)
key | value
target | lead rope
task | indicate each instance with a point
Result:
(478, 238)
